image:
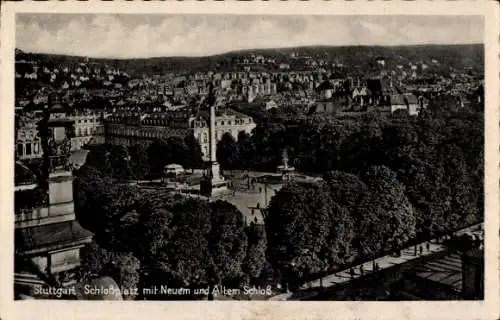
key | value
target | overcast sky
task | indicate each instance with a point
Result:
(129, 36)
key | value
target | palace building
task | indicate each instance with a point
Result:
(129, 128)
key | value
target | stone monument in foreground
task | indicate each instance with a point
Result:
(48, 238)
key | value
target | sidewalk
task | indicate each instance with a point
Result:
(407, 254)
(384, 262)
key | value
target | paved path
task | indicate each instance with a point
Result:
(384, 262)
(407, 254)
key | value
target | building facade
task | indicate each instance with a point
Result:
(88, 129)
(28, 145)
(131, 128)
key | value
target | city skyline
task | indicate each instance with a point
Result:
(147, 36)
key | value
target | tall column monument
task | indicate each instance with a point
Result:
(213, 184)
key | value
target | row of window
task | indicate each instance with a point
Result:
(98, 121)
(85, 131)
(156, 122)
(236, 122)
(136, 133)
(225, 123)
(28, 149)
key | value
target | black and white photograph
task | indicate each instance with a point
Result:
(248, 157)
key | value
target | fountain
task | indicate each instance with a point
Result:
(284, 169)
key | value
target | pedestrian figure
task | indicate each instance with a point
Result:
(420, 249)
(428, 246)
(415, 251)
(361, 270)
(351, 272)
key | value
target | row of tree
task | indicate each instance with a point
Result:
(145, 161)
(438, 157)
(144, 239)
(387, 182)
(317, 228)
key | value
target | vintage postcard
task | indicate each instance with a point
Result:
(260, 160)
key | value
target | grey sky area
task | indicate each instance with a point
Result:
(128, 36)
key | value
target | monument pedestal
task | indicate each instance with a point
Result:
(214, 184)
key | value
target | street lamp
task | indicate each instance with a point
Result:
(289, 267)
(323, 272)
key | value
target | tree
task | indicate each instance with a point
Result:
(361, 149)
(91, 192)
(120, 163)
(268, 145)
(306, 229)
(155, 218)
(227, 152)
(255, 259)
(227, 241)
(154, 230)
(124, 233)
(245, 149)
(339, 241)
(111, 160)
(100, 204)
(157, 157)
(457, 184)
(99, 158)
(125, 267)
(385, 217)
(94, 259)
(139, 161)
(177, 151)
(346, 189)
(186, 257)
(122, 267)
(194, 155)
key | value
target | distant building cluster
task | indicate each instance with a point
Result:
(337, 97)
(108, 104)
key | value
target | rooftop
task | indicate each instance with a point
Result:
(23, 175)
(58, 234)
(446, 271)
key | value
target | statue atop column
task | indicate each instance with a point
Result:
(55, 131)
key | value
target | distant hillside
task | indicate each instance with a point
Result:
(456, 56)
